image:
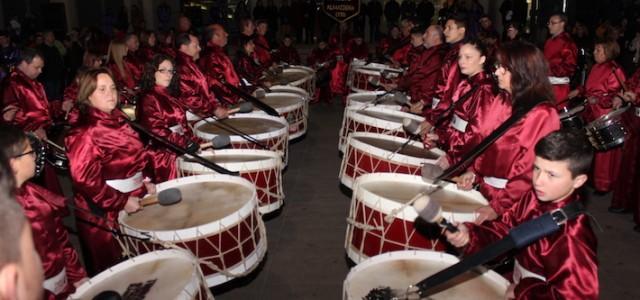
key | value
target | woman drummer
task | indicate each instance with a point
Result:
(602, 85)
(107, 162)
(479, 107)
(162, 113)
(247, 64)
(503, 172)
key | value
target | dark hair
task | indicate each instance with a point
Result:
(12, 223)
(417, 30)
(12, 140)
(7, 183)
(261, 21)
(529, 70)
(148, 80)
(460, 20)
(611, 48)
(244, 40)
(182, 39)
(28, 54)
(567, 145)
(562, 16)
(208, 33)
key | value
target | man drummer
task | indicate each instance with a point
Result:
(562, 265)
(217, 66)
(562, 55)
(194, 87)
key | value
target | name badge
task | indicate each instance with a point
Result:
(434, 103)
(637, 111)
(458, 123)
(177, 129)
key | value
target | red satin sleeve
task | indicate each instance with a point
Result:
(194, 88)
(262, 50)
(289, 55)
(448, 79)
(158, 114)
(422, 75)
(249, 69)
(401, 55)
(562, 54)
(217, 67)
(602, 85)
(29, 97)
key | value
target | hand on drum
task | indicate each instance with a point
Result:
(573, 94)
(616, 102)
(416, 108)
(465, 181)
(389, 86)
(511, 292)
(629, 96)
(485, 213)
(459, 238)
(67, 105)
(149, 186)
(221, 112)
(9, 113)
(132, 205)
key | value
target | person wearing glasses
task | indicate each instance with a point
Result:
(45, 211)
(109, 168)
(216, 64)
(161, 112)
(503, 171)
(562, 55)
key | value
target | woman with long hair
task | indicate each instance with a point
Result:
(122, 71)
(504, 170)
(108, 164)
(148, 45)
(160, 111)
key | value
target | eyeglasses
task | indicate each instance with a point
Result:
(554, 23)
(32, 152)
(167, 71)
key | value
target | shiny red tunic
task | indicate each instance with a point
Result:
(146, 53)
(338, 83)
(135, 64)
(194, 87)
(263, 50)
(626, 188)
(218, 68)
(386, 44)
(319, 56)
(602, 86)
(121, 82)
(161, 113)
(168, 50)
(567, 259)
(562, 55)
(422, 74)
(511, 157)
(401, 54)
(34, 110)
(288, 55)
(475, 118)
(45, 211)
(102, 147)
(448, 80)
(355, 51)
(71, 92)
(249, 68)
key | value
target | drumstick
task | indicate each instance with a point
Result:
(165, 198)
(245, 107)
(431, 211)
(622, 85)
(60, 148)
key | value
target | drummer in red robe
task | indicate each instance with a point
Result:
(123, 72)
(217, 66)
(160, 111)
(134, 59)
(148, 46)
(108, 166)
(477, 103)
(392, 41)
(263, 49)
(322, 60)
(562, 55)
(45, 211)
(194, 87)
(400, 57)
(454, 33)
(248, 65)
(503, 170)
(563, 265)
(602, 85)
(357, 49)
(165, 43)
(287, 53)
(626, 188)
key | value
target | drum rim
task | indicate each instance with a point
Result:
(352, 141)
(491, 275)
(309, 74)
(354, 114)
(236, 138)
(191, 288)
(290, 89)
(287, 108)
(273, 160)
(210, 228)
(387, 205)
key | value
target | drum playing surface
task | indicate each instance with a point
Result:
(382, 116)
(392, 146)
(246, 125)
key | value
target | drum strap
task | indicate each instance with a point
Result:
(518, 237)
(451, 107)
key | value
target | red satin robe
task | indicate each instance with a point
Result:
(401, 54)
(288, 55)
(194, 87)
(45, 211)
(102, 147)
(135, 64)
(146, 53)
(626, 188)
(511, 157)
(356, 51)
(71, 92)
(475, 118)
(387, 44)
(323, 75)
(34, 110)
(168, 50)
(447, 82)
(602, 85)
(422, 74)
(161, 113)
(249, 68)
(121, 82)
(562, 55)
(217, 67)
(263, 50)
(338, 84)
(567, 259)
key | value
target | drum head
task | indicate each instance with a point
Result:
(382, 115)
(452, 201)
(291, 75)
(167, 274)
(400, 269)
(202, 203)
(247, 125)
(392, 146)
(281, 100)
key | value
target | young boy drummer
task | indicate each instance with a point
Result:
(564, 264)
(45, 211)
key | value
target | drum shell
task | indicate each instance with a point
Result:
(363, 158)
(295, 114)
(234, 243)
(608, 131)
(307, 82)
(403, 268)
(369, 209)
(265, 174)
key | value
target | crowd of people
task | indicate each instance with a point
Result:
(464, 77)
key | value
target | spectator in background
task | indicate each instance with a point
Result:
(424, 12)
(392, 12)
(408, 9)
(512, 32)
(184, 24)
(287, 52)
(53, 73)
(8, 54)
